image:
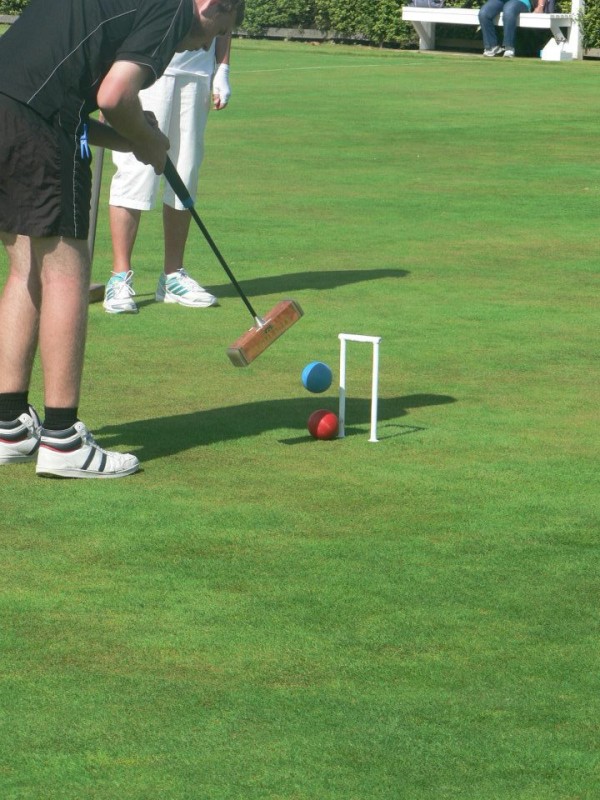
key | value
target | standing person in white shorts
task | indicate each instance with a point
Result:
(181, 101)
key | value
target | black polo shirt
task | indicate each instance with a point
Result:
(56, 54)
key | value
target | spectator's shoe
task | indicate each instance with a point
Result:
(493, 51)
(178, 287)
(509, 52)
(20, 438)
(74, 453)
(119, 294)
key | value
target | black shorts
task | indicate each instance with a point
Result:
(45, 185)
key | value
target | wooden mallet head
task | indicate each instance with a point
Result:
(267, 329)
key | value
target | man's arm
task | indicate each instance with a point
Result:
(120, 105)
(221, 90)
(104, 136)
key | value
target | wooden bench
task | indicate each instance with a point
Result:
(563, 27)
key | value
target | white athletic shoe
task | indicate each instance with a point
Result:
(178, 287)
(491, 52)
(20, 438)
(74, 453)
(509, 52)
(119, 294)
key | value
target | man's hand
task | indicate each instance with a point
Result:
(151, 119)
(221, 90)
(152, 150)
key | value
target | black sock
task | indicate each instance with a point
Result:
(59, 419)
(12, 405)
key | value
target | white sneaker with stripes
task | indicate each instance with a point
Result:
(20, 438)
(178, 287)
(74, 453)
(119, 294)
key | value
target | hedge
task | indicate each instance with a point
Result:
(376, 21)
(12, 6)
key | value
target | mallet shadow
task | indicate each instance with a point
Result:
(299, 281)
(290, 282)
(164, 436)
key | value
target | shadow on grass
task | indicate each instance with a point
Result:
(291, 282)
(298, 281)
(164, 436)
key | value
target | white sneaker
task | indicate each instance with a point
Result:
(490, 52)
(20, 438)
(119, 294)
(178, 287)
(74, 453)
(509, 52)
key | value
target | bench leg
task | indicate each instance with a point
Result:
(575, 39)
(557, 32)
(426, 31)
(575, 33)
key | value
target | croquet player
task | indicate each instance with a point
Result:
(59, 62)
(180, 100)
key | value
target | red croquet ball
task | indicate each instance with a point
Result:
(323, 424)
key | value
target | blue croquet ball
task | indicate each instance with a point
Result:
(316, 377)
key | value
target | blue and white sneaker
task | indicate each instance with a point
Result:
(20, 438)
(178, 287)
(119, 294)
(74, 453)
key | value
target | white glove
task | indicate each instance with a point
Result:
(220, 88)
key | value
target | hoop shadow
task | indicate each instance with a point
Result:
(164, 436)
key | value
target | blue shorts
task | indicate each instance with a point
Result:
(45, 185)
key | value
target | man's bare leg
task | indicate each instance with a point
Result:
(176, 225)
(19, 314)
(65, 278)
(124, 224)
(57, 270)
(47, 293)
(118, 294)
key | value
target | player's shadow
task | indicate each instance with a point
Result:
(299, 281)
(164, 436)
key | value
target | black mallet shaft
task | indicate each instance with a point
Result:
(266, 330)
(182, 193)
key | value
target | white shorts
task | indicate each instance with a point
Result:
(181, 104)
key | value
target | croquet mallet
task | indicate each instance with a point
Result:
(266, 329)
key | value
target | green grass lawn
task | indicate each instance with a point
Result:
(257, 615)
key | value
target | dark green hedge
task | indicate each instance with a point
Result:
(12, 6)
(377, 21)
(591, 24)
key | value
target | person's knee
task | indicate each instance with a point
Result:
(511, 13)
(62, 257)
